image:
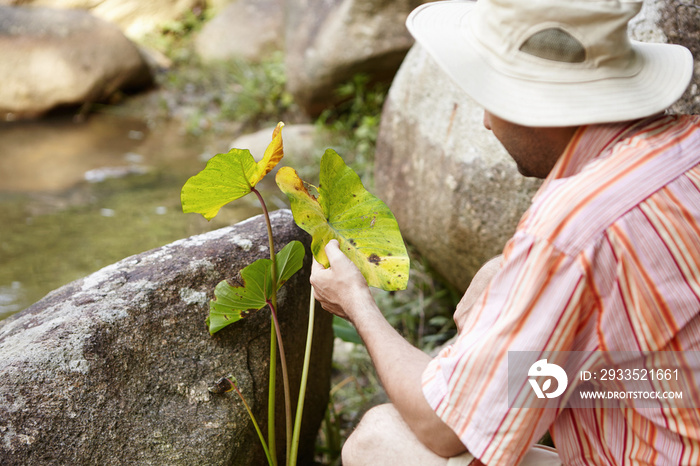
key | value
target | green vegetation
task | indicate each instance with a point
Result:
(218, 96)
(354, 123)
(345, 211)
(370, 238)
(250, 94)
(212, 102)
(236, 97)
(226, 178)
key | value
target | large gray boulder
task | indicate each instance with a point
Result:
(244, 29)
(135, 17)
(456, 193)
(115, 368)
(53, 57)
(329, 41)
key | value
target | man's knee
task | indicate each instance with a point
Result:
(368, 439)
(382, 437)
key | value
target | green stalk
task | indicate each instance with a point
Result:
(304, 378)
(275, 336)
(285, 380)
(271, 389)
(271, 395)
(270, 459)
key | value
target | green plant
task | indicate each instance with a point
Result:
(222, 94)
(356, 119)
(228, 177)
(172, 38)
(364, 226)
(255, 91)
(344, 210)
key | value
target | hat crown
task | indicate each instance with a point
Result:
(581, 36)
(552, 62)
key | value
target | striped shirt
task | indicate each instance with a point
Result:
(607, 258)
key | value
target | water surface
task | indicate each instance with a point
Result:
(75, 197)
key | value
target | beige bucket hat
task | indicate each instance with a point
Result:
(552, 62)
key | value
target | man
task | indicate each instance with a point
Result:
(605, 262)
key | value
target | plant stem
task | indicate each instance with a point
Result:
(271, 395)
(275, 337)
(257, 427)
(285, 380)
(304, 378)
(271, 242)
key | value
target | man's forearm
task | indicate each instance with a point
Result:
(342, 290)
(400, 366)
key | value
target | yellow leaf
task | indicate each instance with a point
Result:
(228, 177)
(273, 155)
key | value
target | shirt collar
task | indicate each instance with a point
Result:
(589, 142)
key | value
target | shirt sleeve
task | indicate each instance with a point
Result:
(535, 303)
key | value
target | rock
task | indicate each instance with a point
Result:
(455, 192)
(302, 148)
(329, 41)
(115, 368)
(62, 57)
(675, 22)
(135, 17)
(246, 29)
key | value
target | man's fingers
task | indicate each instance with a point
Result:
(332, 248)
(334, 253)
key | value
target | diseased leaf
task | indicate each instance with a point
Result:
(363, 225)
(228, 177)
(233, 303)
(273, 155)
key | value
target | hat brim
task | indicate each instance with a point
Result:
(442, 29)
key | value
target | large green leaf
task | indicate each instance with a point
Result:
(363, 225)
(228, 177)
(233, 303)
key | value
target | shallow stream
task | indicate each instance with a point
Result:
(75, 197)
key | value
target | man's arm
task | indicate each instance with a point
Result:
(342, 290)
(481, 280)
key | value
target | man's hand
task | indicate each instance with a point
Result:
(342, 290)
(340, 287)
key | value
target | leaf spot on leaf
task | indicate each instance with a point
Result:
(375, 259)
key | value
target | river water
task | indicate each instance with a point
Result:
(75, 197)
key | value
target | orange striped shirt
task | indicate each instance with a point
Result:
(606, 259)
